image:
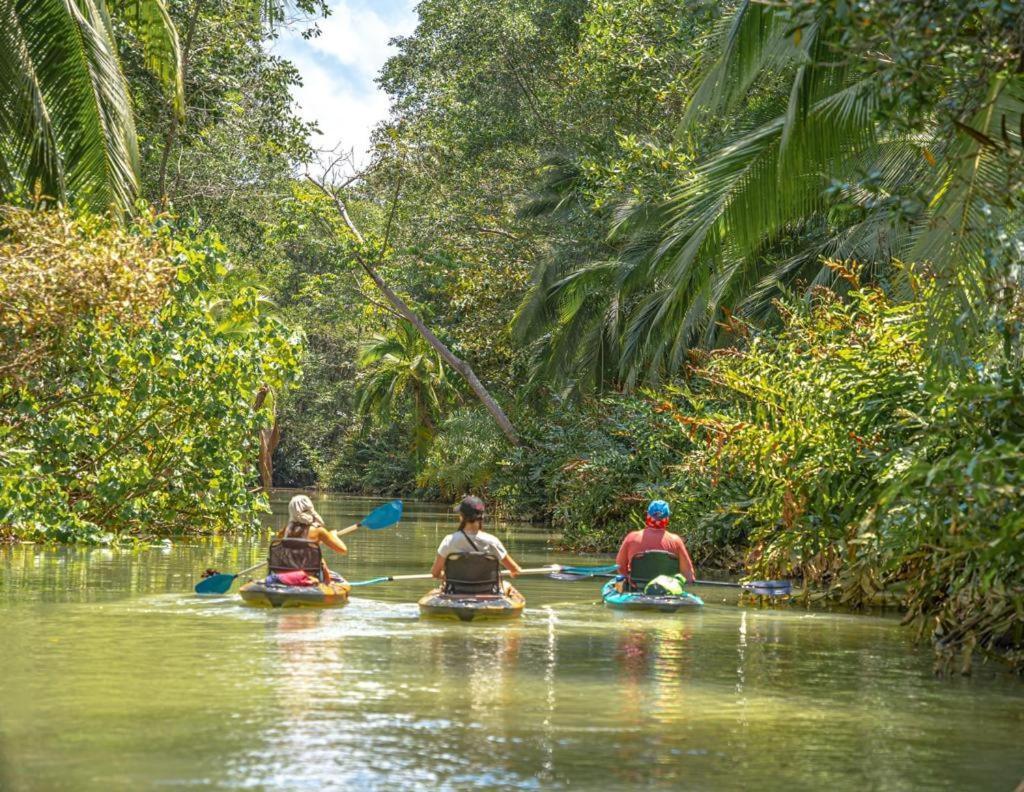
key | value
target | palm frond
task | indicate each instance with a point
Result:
(66, 119)
(29, 151)
(752, 39)
(161, 51)
(976, 179)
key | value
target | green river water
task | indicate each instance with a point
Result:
(114, 676)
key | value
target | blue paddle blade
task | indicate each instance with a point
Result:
(383, 516)
(370, 582)
(215, 584)
(571, 576)
(769, 588)
(594, 571)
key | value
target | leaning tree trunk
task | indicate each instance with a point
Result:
(455, 362)
(407, 313)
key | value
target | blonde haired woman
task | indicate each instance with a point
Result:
(305, 523)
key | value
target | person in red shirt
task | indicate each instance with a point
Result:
(655, 536)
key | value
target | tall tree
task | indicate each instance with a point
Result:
(369, 257)
(66, 117)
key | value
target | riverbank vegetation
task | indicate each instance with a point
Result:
(762, 260)
(133, 363)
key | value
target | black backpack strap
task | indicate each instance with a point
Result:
(468, 539)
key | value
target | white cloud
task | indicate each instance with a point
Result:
(345, 113)
(338, 70)
(358, 37)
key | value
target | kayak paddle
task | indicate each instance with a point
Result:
(764, 588)
(582, 573)
(767, 588)
(220, 583)
(381, 517)
(427, 576)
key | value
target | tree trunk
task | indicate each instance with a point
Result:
(455, 362)
(269, 440)
(172, 130)
(400, 306)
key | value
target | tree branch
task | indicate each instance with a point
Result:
(492, 406)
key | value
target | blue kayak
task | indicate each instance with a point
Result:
(637, 600)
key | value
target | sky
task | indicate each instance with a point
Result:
(339, 66)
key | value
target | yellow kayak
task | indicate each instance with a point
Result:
(467, 607)
(322, 595)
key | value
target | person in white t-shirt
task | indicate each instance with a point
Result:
(471, 538)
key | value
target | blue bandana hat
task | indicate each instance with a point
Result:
(659, 510)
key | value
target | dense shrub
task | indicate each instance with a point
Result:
(952, 526)
(464, 456)
(869, 472)
(587, 467)
(370, 461)
(131, 365)
(813, 419)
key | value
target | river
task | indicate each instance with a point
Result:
(113, 675)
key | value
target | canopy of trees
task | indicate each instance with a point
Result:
(764, 258)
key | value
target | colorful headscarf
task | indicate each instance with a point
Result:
(653, 522)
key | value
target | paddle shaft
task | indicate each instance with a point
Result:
(250, 569)
(427, 576)
(579, 573)
(348, 530)
(607, 571)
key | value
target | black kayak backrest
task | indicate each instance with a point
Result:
(646, 566)
(471, 573)
(288, 554)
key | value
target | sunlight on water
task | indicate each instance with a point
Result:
(114, 676)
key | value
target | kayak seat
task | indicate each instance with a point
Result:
(290, 553)
(471, 573)
(645, 567)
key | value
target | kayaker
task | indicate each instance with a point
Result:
(471, 538)
(305, 523)
(655, 536)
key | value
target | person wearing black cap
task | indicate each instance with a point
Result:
(471, 538)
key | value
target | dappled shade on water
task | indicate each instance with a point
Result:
(115, 675)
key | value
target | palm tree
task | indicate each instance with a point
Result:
(401, 366)
(66, 122)
(759, 213)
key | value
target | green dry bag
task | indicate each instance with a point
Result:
(666, 586)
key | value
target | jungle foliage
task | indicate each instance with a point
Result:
(135, 415)
(762, 259)
(774, 256)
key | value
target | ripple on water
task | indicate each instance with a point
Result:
(114, 675)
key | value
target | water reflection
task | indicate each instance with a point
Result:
(112, 675)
